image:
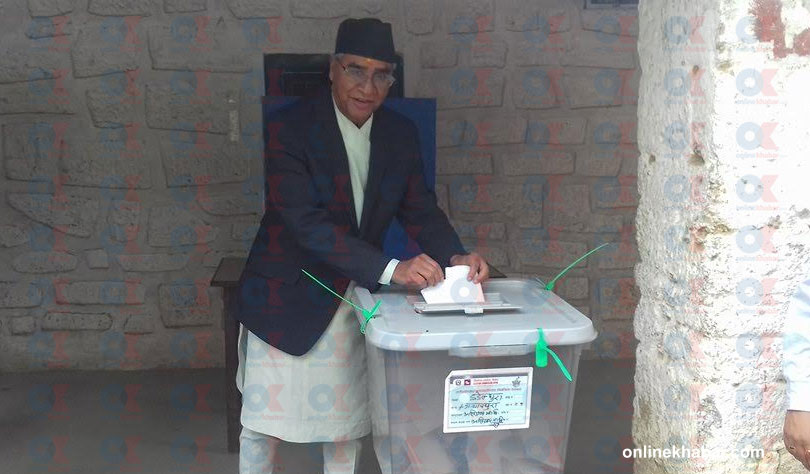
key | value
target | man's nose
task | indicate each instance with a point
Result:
(367, 86)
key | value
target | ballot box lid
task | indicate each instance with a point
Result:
(397, 326)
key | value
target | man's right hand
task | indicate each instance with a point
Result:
(418, 272)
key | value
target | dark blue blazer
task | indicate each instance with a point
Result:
(310, 223)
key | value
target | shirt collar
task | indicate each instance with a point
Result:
(347, 126)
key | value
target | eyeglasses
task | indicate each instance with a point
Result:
(381, 80)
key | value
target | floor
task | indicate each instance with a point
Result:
(173, 421)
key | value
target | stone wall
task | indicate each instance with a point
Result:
(131, 148)
(723, 228)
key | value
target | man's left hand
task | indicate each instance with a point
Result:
(797, 435)
(479, 270)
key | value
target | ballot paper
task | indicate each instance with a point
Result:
(455, 288)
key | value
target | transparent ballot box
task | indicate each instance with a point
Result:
(457, 389)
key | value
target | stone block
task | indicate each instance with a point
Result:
(128, 292)
(469, 16)
(73, 215)
(615, 299)
(454, 161)
(537, 88)
(256, 8)
(540, 17)
(22, 63)
(173, 226)
(19, 295)
(618, 192)
(199, 43)
(120, 7)
(50, 7)
(54, 321)
(620, 23)
(13, 235)
(193, 102)
(44, 262)
(37, 97)
(184, 305)
(463, 87)
(541, 246)
(613, 129)
(599, 162)
(538, 163)
(201, 159)
(117, 102)
(139, 324)
(438, 54)
(123, 227)
(494, 255)
(489, 54)
(520, 203)
(572, 288)
(589, 49)
(32, 151)
(234, 204)
(420, 16)
(153, 262)
(321, 8)
(567, 207)
(212, 258)
(598, 87)
(618, 255)
(53, 27)
(495, 129)
(548, 135)
(475, 231)
(115, 158)
(97, 258)
(184, 6)
(244, 230)
(106, 48)
(22, 326)
(542, 50)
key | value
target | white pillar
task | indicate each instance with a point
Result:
(723, 226)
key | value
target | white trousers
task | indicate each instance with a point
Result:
(257, 455)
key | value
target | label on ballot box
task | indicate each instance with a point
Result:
(487, 399)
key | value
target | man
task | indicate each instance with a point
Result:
(796, 341)
(339, 169)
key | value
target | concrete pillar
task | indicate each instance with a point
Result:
(724, 134)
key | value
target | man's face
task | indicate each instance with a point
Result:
(358, 98)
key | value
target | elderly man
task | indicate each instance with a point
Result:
(339, 169)
(796, 341)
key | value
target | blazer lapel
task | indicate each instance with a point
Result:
(334, 154)
(376, 168)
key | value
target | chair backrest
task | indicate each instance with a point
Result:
(422, 112)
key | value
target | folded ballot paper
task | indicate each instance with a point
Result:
(455, 288)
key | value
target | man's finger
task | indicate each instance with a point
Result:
(483, 272)
(473, 270)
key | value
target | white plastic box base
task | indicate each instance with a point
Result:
(406, 391)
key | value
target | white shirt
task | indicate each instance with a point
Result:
(358, 150)
(796, 349)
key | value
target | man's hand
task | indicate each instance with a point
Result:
(479, 270)
(418, 272)
(797, 435)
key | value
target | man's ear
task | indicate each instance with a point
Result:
(331, 68)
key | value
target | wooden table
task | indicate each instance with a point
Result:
(227, 277)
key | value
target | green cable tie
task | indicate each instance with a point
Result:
(541, 352)
(550, 285)
(367, 315)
